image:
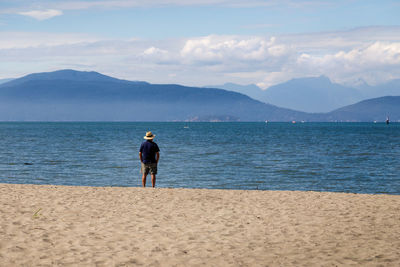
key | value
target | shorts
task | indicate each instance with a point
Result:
(149, 167)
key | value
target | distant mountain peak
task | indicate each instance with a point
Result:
(359, 83)
(73, 73)
(311, 94)
(69, 75)
(311, 80)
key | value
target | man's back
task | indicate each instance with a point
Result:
(149, 150)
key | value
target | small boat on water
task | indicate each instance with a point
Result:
(387, 120)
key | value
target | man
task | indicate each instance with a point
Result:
(149, 156)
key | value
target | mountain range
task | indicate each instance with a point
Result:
(315, 94)
(69, 95)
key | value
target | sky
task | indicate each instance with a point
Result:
(204, 42)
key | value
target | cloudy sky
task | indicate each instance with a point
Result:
(204, 42)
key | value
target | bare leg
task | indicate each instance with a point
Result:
(144, 180)
(153, 180)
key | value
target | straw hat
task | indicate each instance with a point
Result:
(149, 136)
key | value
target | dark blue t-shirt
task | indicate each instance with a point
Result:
(149, 150)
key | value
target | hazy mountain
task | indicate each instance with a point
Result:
(390, 88)
(251, 90)
(69, 95)
(376, 109)
(316, 94)
(90, 96)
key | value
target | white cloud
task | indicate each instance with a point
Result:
(42, 14)
(156, 55)
(220, 49)
(370, 54)
(371, 63)
(154, 51)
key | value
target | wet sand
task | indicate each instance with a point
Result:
(110, 226)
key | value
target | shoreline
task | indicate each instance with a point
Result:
(84, 225)
(201, 188)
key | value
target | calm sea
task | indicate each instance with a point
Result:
(339, 157)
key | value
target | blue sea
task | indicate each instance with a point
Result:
(336, 157)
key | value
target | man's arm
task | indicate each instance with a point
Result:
(157, 156)
(140, 156)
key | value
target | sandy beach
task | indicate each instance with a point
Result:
(98, 226)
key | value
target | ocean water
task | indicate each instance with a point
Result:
(336, 157)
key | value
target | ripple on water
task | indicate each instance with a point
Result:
(340, 157)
